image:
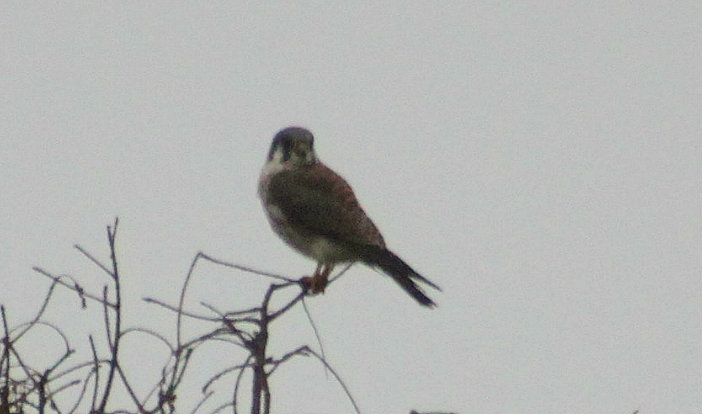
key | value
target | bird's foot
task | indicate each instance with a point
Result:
(315, 284)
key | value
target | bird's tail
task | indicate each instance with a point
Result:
(400, 271)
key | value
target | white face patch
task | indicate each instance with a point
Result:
(275, 164)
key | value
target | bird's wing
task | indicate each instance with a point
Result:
(317, 200)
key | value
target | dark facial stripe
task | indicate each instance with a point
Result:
(285, 139)
(287, 148)
(281, 141)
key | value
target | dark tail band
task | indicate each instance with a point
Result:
(400, 271)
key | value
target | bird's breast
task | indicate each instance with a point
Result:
(316, 246)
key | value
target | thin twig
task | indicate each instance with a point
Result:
(314, 329)
(247, 269)
(237, 383)
(114, 345)
(338, 379)
(228, 370)
(7, 344)
(97, 373)
(246, 328)
(94, 260)
(202, 401)
(130, 391)
(39, 314)
(81, 394)
(76, 288)
(180, 311)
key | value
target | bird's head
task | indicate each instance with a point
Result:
(292, 147)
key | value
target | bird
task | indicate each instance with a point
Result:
(315, 211)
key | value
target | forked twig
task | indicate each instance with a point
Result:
(247, 329)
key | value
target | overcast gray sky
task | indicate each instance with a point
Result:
(541, 163)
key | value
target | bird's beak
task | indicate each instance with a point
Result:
(301, 148)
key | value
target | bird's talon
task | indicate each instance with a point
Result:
(313, 285)
(306, 283)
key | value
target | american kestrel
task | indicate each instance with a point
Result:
(315, 211)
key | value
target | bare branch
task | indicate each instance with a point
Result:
(39, 314)
(247, 269)
(114, 344)
(202, 401)
(338, 379)
(180, 311)
(248, 329)
(94, 260)
(96, 369)
(6, 345)
(75, 287)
